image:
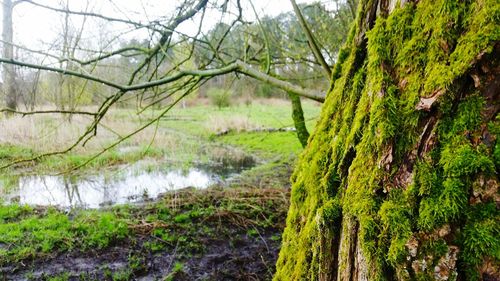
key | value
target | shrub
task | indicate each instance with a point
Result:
(219, 97)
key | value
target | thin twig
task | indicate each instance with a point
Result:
(24, 113)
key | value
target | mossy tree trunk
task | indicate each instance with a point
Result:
(298, 119)
(400, 178)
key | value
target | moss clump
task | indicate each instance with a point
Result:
(399, 144)
(395, 216)
(480, 238)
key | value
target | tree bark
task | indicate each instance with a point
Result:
(9, 75)
(399, 180)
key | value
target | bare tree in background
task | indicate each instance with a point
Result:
(163, 69)
(68, 90)
(8, 70)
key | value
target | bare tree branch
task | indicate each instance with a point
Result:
(63, 71)
(312, 41)
(237, 66)
(286, 86)
(167, 35)
(24, 113)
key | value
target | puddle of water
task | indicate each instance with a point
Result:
(135, 183)
(98, 191)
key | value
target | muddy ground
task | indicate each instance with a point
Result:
(231, 256)
(231, 243)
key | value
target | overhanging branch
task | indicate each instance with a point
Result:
(312, 41)
(237, 66)
(284, 85)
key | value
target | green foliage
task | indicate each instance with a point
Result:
(494, 128)
(122, 275)
(253, 232)
(61, 277)
(14, 212)
(264, 114)
(177, 269)
(219, 97)
(447, 204)
(426, 178)
(265, 90)
(182, 218)
(266, 144)
(13, 152)
(462, 160)
(100, 229)
(276, 238)
(395, 216)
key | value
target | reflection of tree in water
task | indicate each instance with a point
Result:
(47, 187)
(70, 185)
(75, 185)
(98, 190)
(107, 196)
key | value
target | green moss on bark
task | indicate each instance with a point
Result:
(402, 143)
(298, 119)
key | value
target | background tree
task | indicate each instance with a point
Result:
(155, 77)
(285, 48)
(68, 91)
(8, 70)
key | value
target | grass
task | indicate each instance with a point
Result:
(259, 114)
(178, 267)
(42, 233)
(266, 145)
(181, 219)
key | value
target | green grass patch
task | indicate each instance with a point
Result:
(34, 235)
(266, 145)
(198, 120)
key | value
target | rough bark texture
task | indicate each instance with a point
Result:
(399, 181)
(298, 119)
(9, 84)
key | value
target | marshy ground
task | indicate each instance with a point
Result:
(214, 234)
(228, 231)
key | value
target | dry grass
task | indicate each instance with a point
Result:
(52, 132)
(43, 133)
(241, 206)
(272, 101)
(218, 124)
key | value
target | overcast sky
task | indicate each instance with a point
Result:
(33, 25)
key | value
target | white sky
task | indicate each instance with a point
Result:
(33, 25)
